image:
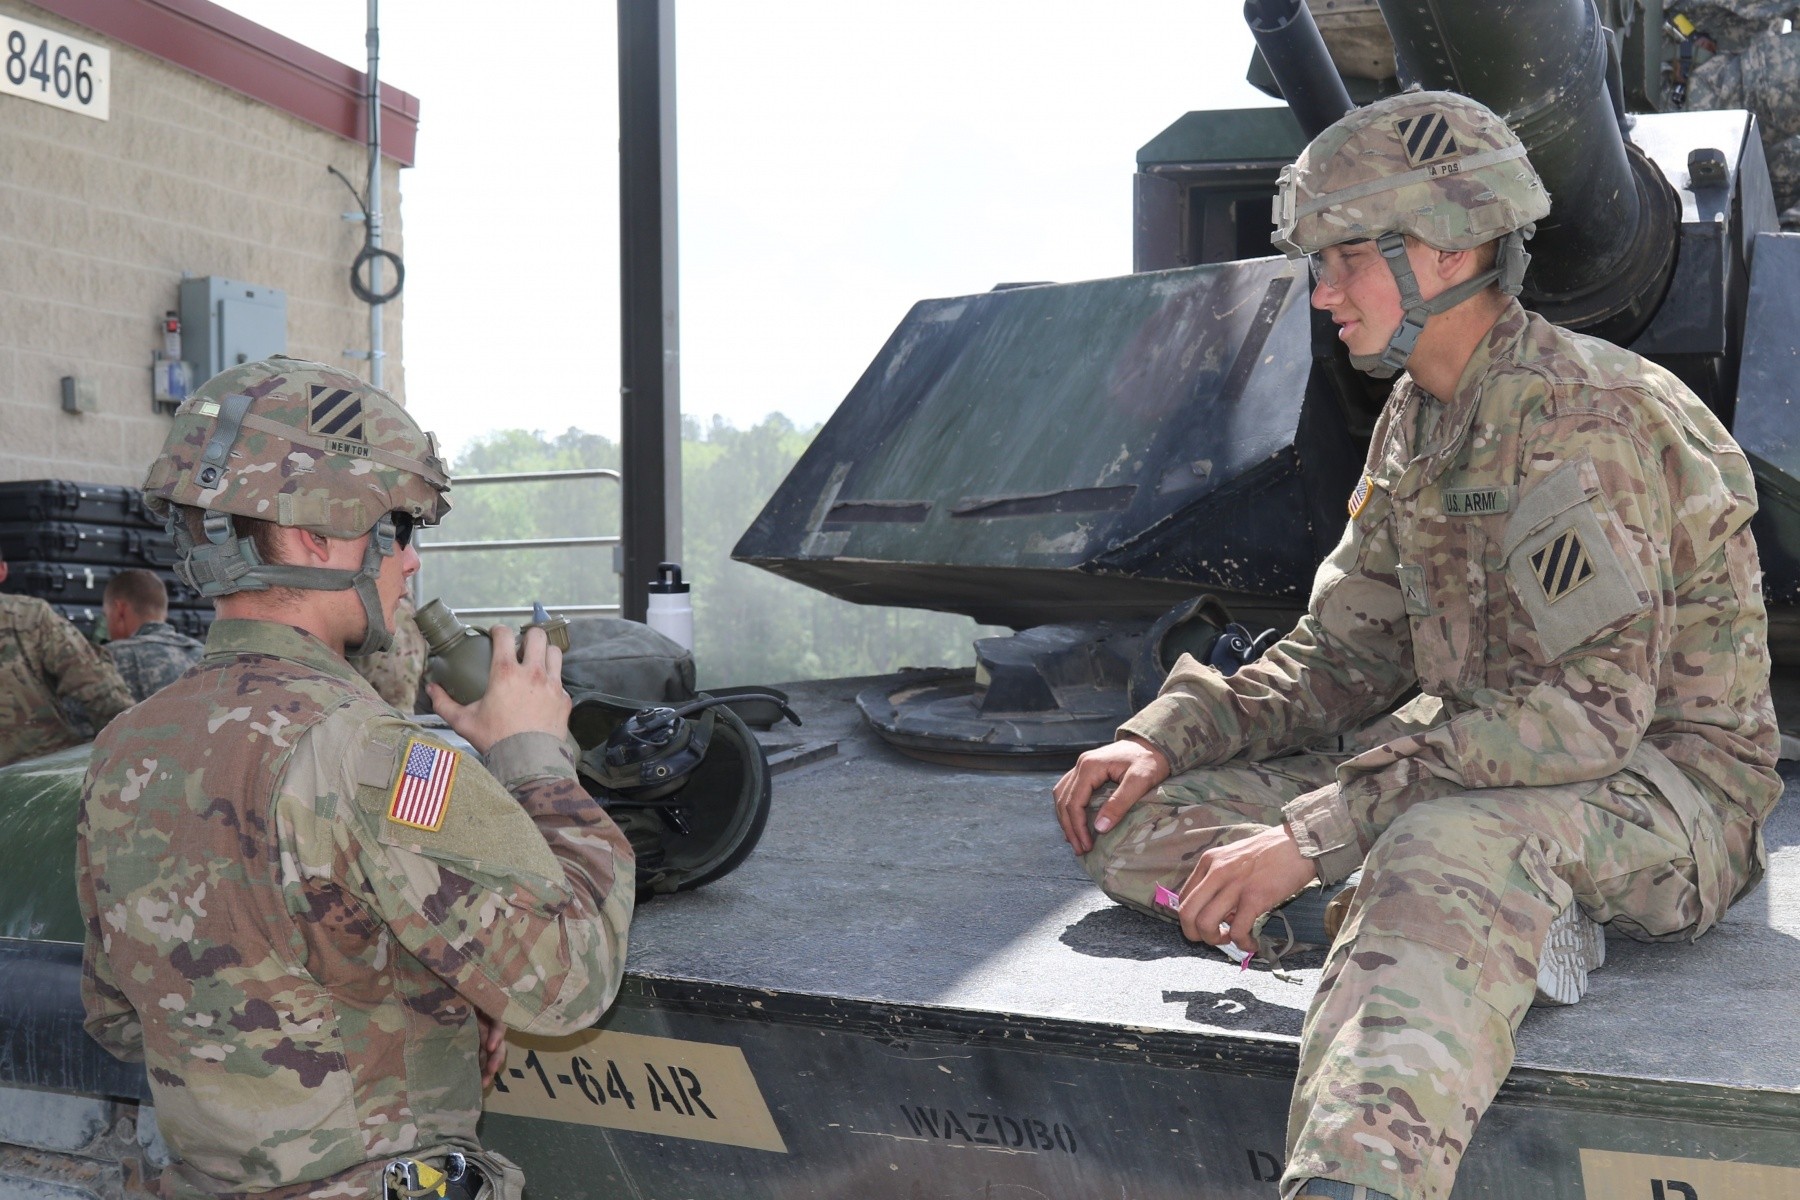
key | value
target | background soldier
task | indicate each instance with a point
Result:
(45, 663)
(302, 908)
(1552, 543)
(149, 653)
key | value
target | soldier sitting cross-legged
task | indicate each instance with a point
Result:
(1550, 543)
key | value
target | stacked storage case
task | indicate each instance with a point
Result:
(63, 542)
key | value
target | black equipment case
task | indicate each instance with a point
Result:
(60, 500)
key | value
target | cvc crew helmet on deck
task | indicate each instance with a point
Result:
(303, 445)
(1435, 165)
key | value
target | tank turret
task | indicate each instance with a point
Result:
(1096, 451)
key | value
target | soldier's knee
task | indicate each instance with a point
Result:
(1443, 870)
(1457, 832)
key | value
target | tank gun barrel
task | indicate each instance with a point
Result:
(1289, 39)
(1602, 259)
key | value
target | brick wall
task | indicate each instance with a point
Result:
(99, 219)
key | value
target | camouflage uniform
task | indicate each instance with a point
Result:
(299, 970)
(153, 657)
(1758, 68)
(299, 902)
(44, 661)
(1558, 556)
(395, 672)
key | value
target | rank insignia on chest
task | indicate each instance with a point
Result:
(1412, 589)
(421, 794)
(1562, 565)
(1359, 499)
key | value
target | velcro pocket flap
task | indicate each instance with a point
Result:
(1568, 485)
(1564, 569)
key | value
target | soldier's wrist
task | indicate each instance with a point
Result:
(521, 757)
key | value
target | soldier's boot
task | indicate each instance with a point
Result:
(1310, 921)
(1331, 1189)
(1574, 946)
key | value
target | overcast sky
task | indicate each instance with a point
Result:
(838, 161)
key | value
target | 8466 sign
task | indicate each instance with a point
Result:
(55, 69)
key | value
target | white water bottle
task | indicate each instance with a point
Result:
(671, 610)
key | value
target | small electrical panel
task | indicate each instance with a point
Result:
(171, 379)
(224, 322)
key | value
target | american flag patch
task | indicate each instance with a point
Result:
(422, 793)
(1359, 499)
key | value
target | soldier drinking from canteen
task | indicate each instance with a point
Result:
(306, 914)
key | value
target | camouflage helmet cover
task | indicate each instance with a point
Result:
(300, 444)
(1436, 165)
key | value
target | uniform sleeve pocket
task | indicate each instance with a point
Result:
(1564, 569)
(1569, 485)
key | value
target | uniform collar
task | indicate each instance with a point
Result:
(1428, 433)
(229, 638)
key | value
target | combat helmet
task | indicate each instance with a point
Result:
(1436, 165)
(303, 445)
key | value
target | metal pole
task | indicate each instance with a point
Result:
(374, 216)
(649, 346)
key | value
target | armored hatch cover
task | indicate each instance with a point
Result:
(1082, 451)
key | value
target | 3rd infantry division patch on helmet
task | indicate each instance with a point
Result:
(300, 444)
(1436, 165)
(337, 413)
(305, 446)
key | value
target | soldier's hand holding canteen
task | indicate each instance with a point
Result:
(524, 693)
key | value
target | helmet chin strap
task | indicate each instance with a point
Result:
(1508, 271)
(379, 635)
(227, 563)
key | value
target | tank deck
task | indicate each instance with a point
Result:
(912, 990)
(930, 997)
(885, 879)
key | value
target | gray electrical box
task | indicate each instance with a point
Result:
(225, 322)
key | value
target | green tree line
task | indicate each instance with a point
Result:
(749, 626)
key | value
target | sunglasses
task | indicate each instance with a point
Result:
(1336, 265)
(404, 524)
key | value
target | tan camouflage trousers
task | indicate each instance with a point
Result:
(1411, 1032)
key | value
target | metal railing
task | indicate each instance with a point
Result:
(467, 481)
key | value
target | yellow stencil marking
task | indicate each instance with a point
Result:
(696, 1090)
(1614, 1175)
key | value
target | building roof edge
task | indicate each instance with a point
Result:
(237, 53)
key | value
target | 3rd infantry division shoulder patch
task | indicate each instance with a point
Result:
(421, 794)
(1561, 565)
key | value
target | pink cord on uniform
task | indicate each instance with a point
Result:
(1169, 899)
